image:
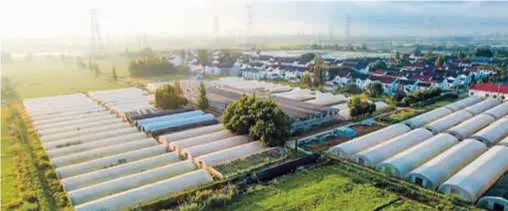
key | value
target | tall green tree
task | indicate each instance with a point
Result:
(378, 64)
(178, 88)
(202, 101)
(182, 57)
(397, 55)
(318, 71)
(203, 56)
(439, 61)
(375, 89)
(167, 98)
(115, 77)
(487, 52)
(260, 118)
(359, 107)
(306, 80)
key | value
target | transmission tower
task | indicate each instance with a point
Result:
(95, 36)
(249, 23)
(216, 25)
(348, 29)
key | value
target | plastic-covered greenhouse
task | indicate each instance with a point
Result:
(434, 172)
(124, 183)
(203, 149)
(430, 116)
(470, 126)
(88, 138)
(148, 192)
(493, 133)
(172, 137)
(229, 154)
(456, 106)
(348, 149)
(199, 140)
(99, 176)
(373, 156)
(477, 177)
(402, 163)
(448, 121)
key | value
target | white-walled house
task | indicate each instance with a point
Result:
(490, 90)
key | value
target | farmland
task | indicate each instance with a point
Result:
(323, 188)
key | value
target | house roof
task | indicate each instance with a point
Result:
(382, 79)
(407, 82)
(491, 87)
(358, 75)
(379, 72)
(424, 84)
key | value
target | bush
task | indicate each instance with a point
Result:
(29, 207)
(29, 196)
(12, 205)
(44, 165)
(189, 207)
(167, 98)
(51, 174)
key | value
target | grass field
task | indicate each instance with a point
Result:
(323, 188)
(8, 189)
(46, 77)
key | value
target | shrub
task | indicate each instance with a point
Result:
(44, 164)
(189, 207)
(51, 174)
(29, 196)
(29, 207)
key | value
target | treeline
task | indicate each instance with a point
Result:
(151, 67)
(420, 95)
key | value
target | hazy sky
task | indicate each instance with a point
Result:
(54, 18)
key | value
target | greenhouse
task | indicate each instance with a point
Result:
(434, 172)
(498, 111)
(461, 104)
(482, 106)
(371, 157)
(78, 133)
(119, 159)
(328, 100)
(402, 163)
(229, 154)
(52, 153)
(348, 149)
(448, 121)
(493, 133)
(148, 192)
(78, 127)
(470, 126)
(135, 116)
(477, 177)
(62, 121)
(504, 142)
(88, 138)
(142, 122)
(124, 183)
(428, 117)
(168, 138)
(496, 198)
(102, 152)
(99, 176)
(174, 123)
(200, 140)
(203, 149)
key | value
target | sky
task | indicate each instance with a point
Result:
(64, 18)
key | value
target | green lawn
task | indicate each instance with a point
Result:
(8, 189)
(47, 77)
(323, 188)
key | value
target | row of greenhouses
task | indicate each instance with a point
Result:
(457, 149)
(102, 160)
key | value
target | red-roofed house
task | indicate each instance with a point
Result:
(379, 72)
(490, 90)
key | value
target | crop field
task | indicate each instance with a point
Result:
(44, 77)
(243, 165)
(323, 188)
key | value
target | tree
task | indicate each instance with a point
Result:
(182, 57)
(307, 57)
(439, 61)
(378, 64)
(97, 70)
(318, 71)
(178, 88)
(359, 107)
(306, 79)
(203, 56)
(397, 55)
(202, 101)
(259, 118)
(115, 77)
(352, 88)
(375, 89)
(166, 97)
(486, 52)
